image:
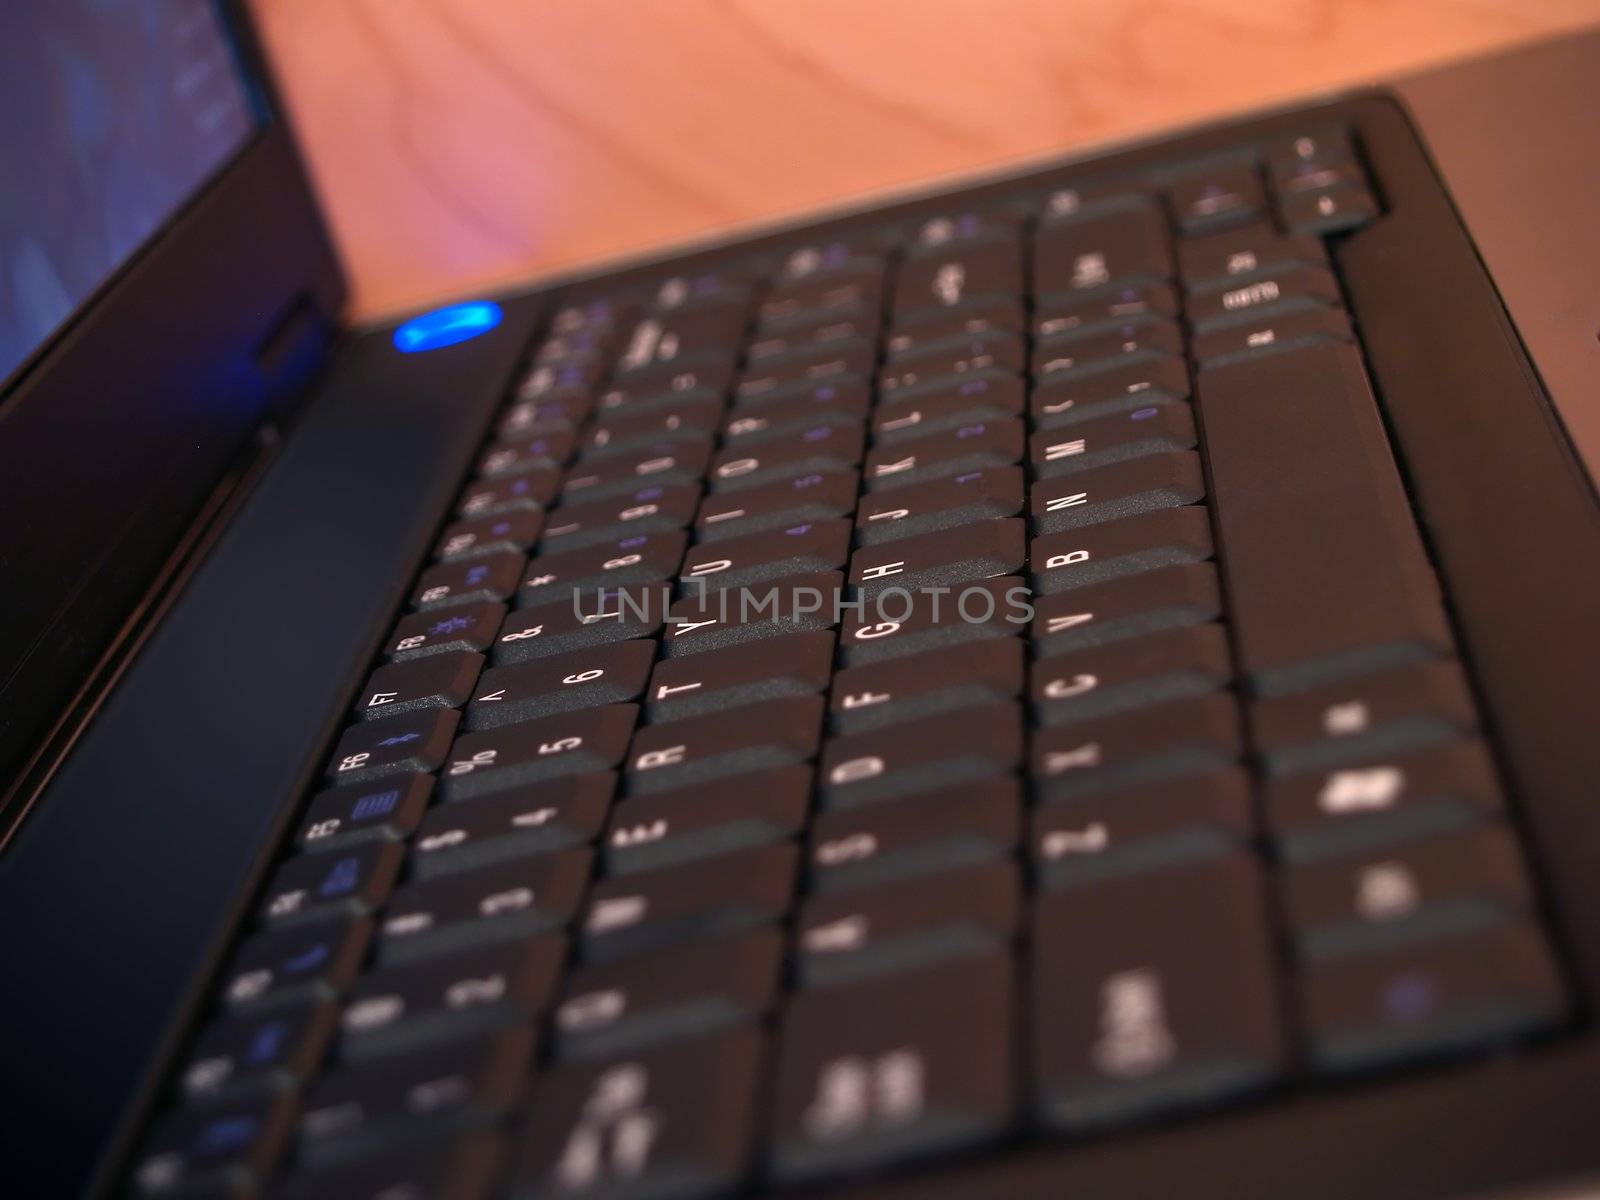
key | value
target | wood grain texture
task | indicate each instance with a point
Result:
(461, 143)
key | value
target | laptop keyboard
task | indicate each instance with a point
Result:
(968, 683)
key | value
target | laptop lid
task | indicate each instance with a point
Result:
(166, 290)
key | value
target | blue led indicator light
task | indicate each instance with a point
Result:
(447, 326)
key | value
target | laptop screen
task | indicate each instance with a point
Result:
(115, 112)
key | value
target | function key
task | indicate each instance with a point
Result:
(386, 811)
(1224, 196)
(351, 881)
(530, 490)
(939, 235)
(490, 578)
(215, 1151)
(307, 962)
(260, 1052)
(465, 627)
(410, 742)
(437, 681)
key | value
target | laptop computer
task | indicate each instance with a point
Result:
(1077, 684)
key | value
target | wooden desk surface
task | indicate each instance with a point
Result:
(460, 143)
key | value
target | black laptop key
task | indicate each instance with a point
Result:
(707, 819)
(1057, 359)
(1131, 674)
(620, 431)
(490, 987)
(906, 924)
(346, 882)
(369, 1107)
(794, 664)
(953, 556)
(1432, 998)
(1119, 387)
(295, 964)
(512, 825)
(239, 1056)
(491, 904)
(773, 733)
(566, 744)
(215, 1151)
(1328, 573)
(680, 992)
(962, 747)
(957, 274)
(678, 338)
(635, 558)
(1167, 741)
(526, 492)
(437, 681)
(1224, 259)
(966, 448)
(1132, 606)
(1152, 993)
(457, 1167)
(594, 617)
(1427, 888)
(803, 339)
(386, 811)
(935, 619)
(490, 578)
(476, 536)
(818, 364)
(1071, 316)
(1382, 713)
(815, 496)
(665, 388)
(649, 508)
(1077, 557)
(536, 453)
(962, 402)
(724, 895)
(464, 627)
(939, 504)
(1327, 210)
(825, 296)
(1271, 334)
(940, 237)
(822, 448)
(920, 834)
(524, 418)
(613, 673)
(923, 685)
(916, 331)
(795, 412)
(1382, 800)
(1143, 431)
(1126, 247)
(671, 1122)
(772, 554)
(1141, 828)
(660, 463)
(726, 617)
(1294, 290)
(895, 1069)
(941, 364)
(1217, 197)
(1120, 490)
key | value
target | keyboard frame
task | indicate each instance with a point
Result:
(1464, 404)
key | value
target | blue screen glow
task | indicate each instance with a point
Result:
(447, 326)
